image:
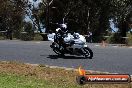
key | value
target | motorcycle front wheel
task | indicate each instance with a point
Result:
(88, 53)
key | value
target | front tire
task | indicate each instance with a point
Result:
(88, 53)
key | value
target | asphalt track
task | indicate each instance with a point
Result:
(111, 59)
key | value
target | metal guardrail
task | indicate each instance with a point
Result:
(3, 31)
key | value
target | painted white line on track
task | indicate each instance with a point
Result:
(115, 46)
(130, 47)
(37, 42)
(97, 45)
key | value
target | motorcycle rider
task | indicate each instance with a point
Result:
(60, 35)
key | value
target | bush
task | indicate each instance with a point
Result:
(38, 37)
(114, 38)
(2, 36)
(97, 39)
(26, 36)
(44, 35)
(28, 33)
(129, 39)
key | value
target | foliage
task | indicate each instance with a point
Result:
(80, 15)
(28, 33)
(129, 39)
(114, 38)
(17, 81)
(11, 15)
(89, 15)
(38, 37)
(25, 37)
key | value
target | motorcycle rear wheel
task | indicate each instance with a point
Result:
(58, 52)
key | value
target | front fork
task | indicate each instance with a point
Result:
(82, 49)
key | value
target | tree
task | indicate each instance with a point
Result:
(87, 15)
(12, 13)
(121, 12)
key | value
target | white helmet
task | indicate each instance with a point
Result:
(76, 35)
(64, 26)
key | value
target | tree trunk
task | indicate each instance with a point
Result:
(103, 26)
(123, 29)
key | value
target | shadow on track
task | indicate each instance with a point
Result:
(64, 57)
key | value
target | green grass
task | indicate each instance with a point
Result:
(17, 81)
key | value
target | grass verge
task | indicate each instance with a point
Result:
(19, 75)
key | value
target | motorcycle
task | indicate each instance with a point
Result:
(71, 44)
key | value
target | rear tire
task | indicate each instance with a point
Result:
(58, 51)
(88, 53)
